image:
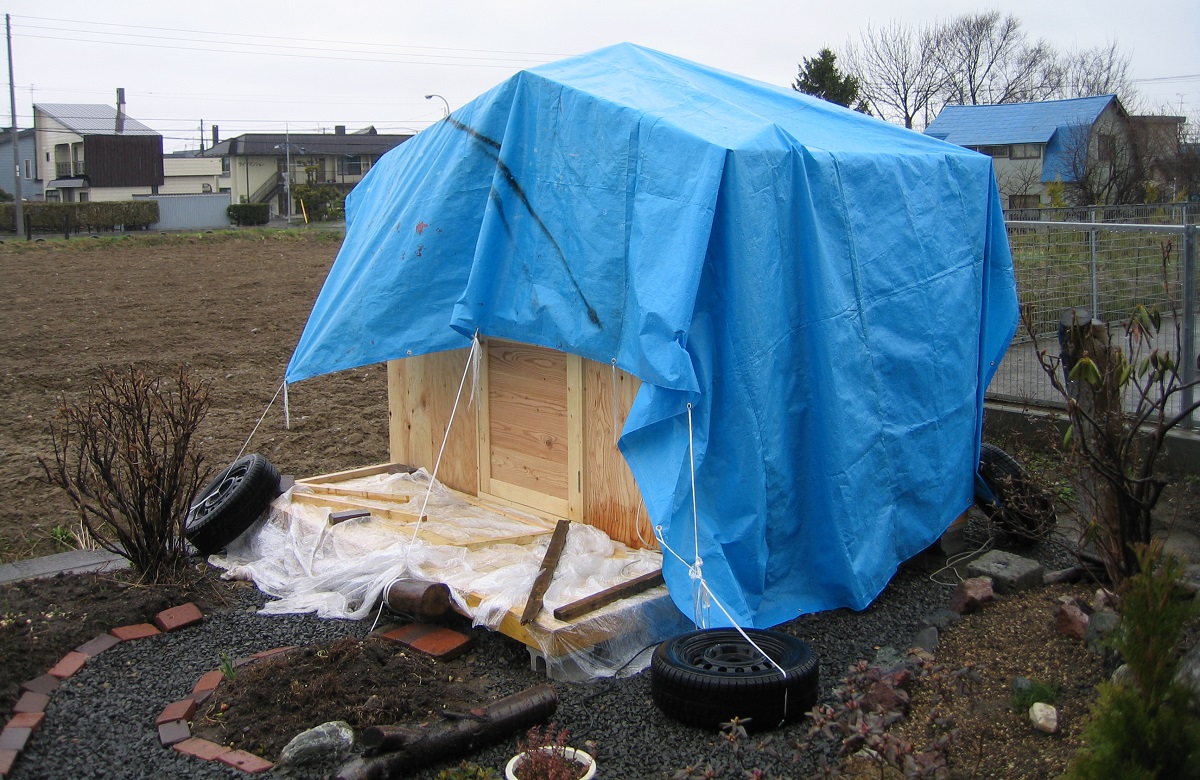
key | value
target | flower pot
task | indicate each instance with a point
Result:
(578, 756)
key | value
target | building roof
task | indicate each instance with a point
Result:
(275, 144)
(92, 119)
(1015, 123)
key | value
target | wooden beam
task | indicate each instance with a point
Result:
(545, 574)
(365, 471)
(607, 596)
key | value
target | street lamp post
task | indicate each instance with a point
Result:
(439, 97)
(287, 174)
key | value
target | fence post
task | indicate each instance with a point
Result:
(1188, 358)
(1093, 271)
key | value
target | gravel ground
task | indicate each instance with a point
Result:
(100, 723)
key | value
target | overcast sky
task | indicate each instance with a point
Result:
(308, 65)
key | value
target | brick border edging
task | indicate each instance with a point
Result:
(30, 710)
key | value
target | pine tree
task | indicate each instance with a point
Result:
(819, 76)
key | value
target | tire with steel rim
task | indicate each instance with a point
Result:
(231, 502)
(708, 677)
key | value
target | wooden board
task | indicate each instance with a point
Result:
(527, 418)
(611, 497)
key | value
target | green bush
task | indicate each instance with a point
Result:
(83, 217)
(249, 213)
(1144, 729)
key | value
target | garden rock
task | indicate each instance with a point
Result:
(1009, 573)
(1104, 599)
(942, 619)
(1122, 676)
(334, 739)
(1100, 628)
(1189, 580)
(1071, 621)
(1188, 673)
(1044, 717)
(927, 639)
(970, 595)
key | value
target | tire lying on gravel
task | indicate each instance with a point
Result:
(1021, 507)
(706, 678)
(231, 503)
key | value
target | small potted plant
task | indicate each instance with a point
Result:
(544, 755)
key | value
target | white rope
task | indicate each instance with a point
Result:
(287, 413)
(242, 451)
(615, 398)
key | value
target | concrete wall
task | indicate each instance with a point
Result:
(191, 212)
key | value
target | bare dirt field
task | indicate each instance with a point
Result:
(230, 306)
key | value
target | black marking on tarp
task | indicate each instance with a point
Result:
(491, 147)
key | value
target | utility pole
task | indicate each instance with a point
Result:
(18, 208)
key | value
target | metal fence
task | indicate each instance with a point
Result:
(1108, 269)
(1140, 213)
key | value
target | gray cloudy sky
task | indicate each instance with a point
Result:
(310, 65)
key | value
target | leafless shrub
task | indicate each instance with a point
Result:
(123, 454)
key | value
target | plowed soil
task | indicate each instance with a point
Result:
(229, 306)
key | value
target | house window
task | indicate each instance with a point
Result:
(1106, 147)
(352, 165)
(29, 169)
(993, 151)
(1025, 151)
(1024, 201)
(225, 166)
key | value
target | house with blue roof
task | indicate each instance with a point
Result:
(1085, 143)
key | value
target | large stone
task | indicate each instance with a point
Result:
(927, 639)
(970, 595)
(1188, 673)
(1009, 573)
(1071, 621)
(318, 745)
(1044, 717)
(1100, 629)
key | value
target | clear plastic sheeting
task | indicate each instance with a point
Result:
(342, 570)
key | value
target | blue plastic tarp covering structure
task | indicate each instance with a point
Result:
(829, 293)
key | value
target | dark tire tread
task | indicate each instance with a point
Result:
(217, 518)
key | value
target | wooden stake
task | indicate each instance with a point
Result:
(545, 575)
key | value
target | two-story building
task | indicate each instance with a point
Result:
(1087, 144)
(26, 165)
(95, 152)
(257, 167)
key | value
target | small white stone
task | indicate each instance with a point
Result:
(1044, 717)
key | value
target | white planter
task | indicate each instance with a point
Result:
(579, 756)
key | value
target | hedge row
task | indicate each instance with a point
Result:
(249, 213)
(103, 215)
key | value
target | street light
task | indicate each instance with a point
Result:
(287, 178)
(439, 97)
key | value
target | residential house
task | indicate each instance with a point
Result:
(1088, 144)
(187, 173)
(95, 152)
(26, 165)
(256, 166)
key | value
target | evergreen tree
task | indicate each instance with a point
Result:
(820, 77)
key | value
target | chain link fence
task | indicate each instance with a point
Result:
(1108, 269)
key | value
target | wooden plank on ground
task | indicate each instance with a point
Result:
(365, 471)
(583, 606)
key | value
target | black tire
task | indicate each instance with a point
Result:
(1020, 508)
(706, 678)
(231, 503)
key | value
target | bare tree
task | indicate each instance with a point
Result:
(1102, 164)
(986, 59)
(896, 70)
(1101, 70)
(1018, 180)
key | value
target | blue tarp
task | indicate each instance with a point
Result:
(829, 293)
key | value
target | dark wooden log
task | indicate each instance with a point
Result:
(545, 575)
(609, 595)
(425, 601)
(416, 747)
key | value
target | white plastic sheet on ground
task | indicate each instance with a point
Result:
(341, 571)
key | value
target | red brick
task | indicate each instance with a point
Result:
(173, 732)
(31, 702)
(247, 762)
(69, 664)
(442, 643)
(27, 720)
(201, 748)
(96, 646)
(183, 709)
(14, 739)
(178, 617)
(209, 681)
(137, 631)
(44, 684)
(201, 696)
(7, 759)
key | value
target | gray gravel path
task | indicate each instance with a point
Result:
(100, 723)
